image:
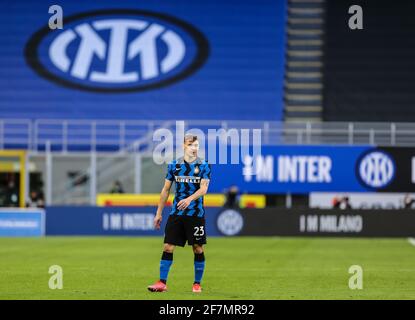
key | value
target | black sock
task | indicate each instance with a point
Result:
(165, 264)
(199, 257)
(199, 267)
(167, 255)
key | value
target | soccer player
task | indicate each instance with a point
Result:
(186, 221)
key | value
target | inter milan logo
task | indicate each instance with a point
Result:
(230, 222)
(376, 169)
(118, 50)
(197, 170)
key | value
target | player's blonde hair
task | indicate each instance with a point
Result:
(189, 138)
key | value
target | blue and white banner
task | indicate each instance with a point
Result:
(127, 59)
(22, 222)
(305, 169)
(127, 221)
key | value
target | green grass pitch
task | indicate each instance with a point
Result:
(236, 268)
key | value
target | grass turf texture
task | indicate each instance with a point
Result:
(236, 268)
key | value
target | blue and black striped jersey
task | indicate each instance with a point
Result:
(187, 177)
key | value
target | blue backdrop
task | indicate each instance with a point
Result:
(127, 221)
(303, 169)
(178, 59)
(22, 223)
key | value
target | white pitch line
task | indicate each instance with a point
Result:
(411, 241)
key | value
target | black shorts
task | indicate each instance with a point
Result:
(180, 229)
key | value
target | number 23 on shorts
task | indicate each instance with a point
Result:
(199, 231)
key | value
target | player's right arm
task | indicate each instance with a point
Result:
(164, 195)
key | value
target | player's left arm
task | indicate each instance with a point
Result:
(204, 184)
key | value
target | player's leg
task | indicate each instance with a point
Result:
(173, 235)
(165, 264)
(199, 265)
(166, 261)
(196, 236)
